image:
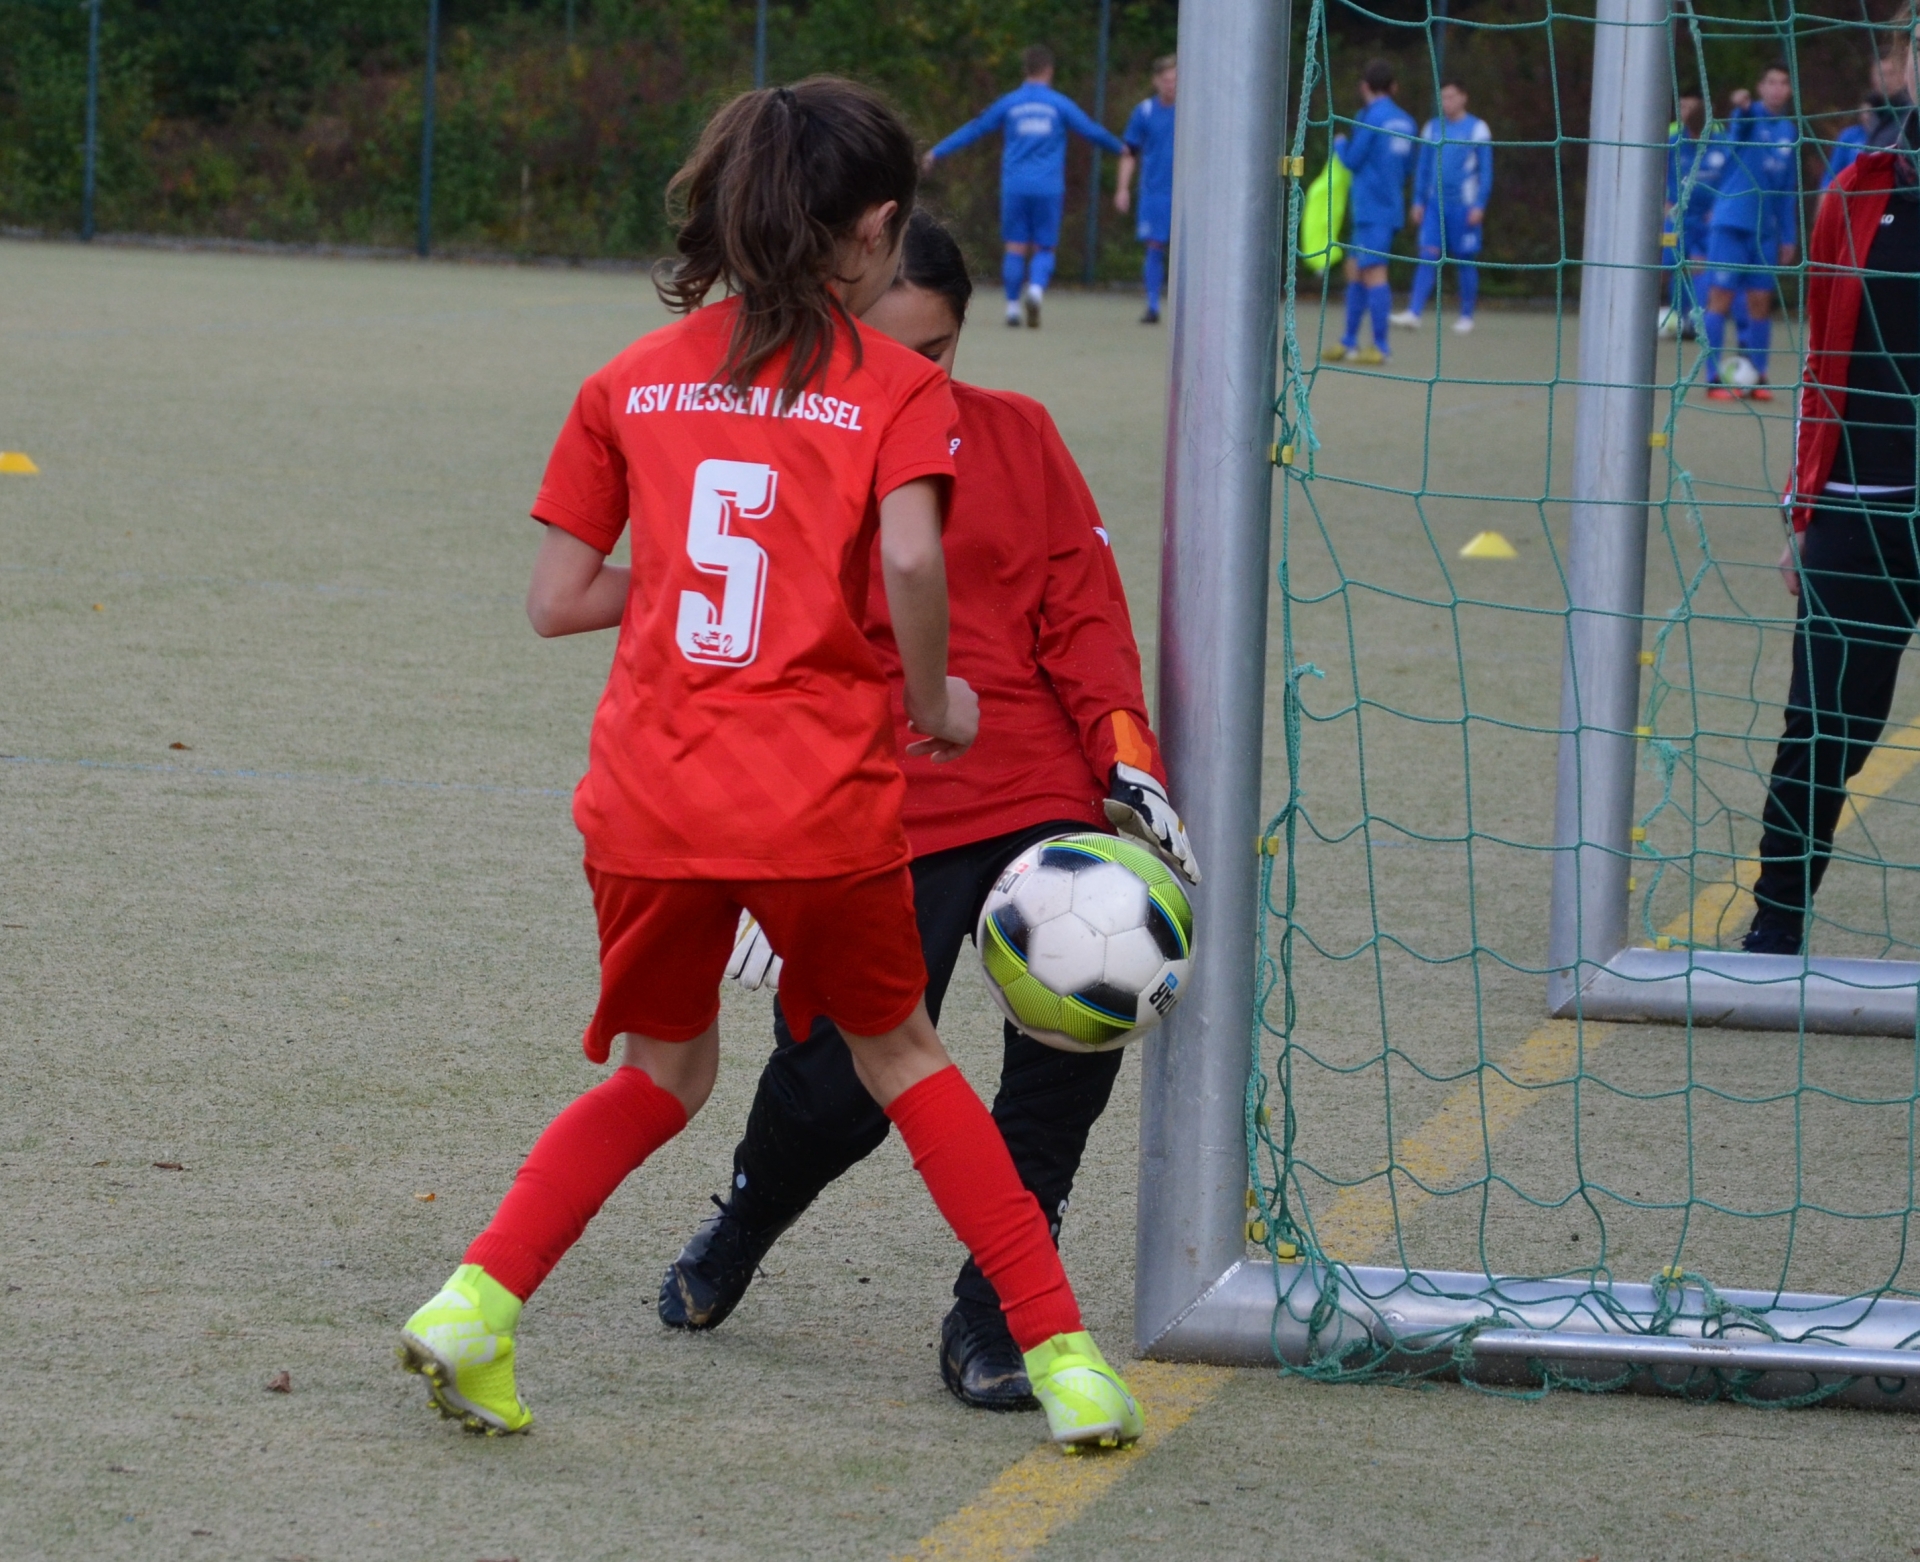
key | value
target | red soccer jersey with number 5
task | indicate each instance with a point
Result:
(745, 732)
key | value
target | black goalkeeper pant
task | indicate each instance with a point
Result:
(812, 1118)
(1859, 592)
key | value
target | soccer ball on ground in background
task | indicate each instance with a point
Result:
(1086, 940)
(1740, 373)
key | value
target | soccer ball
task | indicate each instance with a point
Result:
(1086, 940)
(1740, 372)
(1669, 322)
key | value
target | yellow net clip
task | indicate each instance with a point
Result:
(1264, 1117)
(1256, 1231)
(1658, 440)
(1673, 1272)
(1285, 1251)
(1643, 732)
(1293, 168)
(1286, 455)
(1646, 658)
(1632, 883)
(1663, 942)
(1253, 1199)
(1268, 846)
(1638, 832)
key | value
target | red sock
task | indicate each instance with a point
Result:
(586, 1152)
(957, 1149)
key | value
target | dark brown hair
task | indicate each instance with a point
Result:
(779, 179)
(1380, 75)
(931, 260)
(1035, 58)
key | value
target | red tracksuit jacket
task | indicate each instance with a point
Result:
(1843, 231)
(1040, 628)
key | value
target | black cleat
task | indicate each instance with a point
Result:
(705, 1283)
(1151, 317)
(1775, 933)
(979, 1362)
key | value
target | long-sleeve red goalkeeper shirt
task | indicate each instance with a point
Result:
(1040, 628)
(1843, 232)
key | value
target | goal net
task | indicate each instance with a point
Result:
(1416, 1110)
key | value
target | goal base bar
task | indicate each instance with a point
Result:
(1258, 1313)
(1749, 992)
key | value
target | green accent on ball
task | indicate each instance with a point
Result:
(1163, 888)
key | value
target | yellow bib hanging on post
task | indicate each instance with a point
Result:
(1323, 210)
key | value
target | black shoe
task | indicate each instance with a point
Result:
(705, 1283)
(1775, 933)
(1151, 317)
(979, 1362)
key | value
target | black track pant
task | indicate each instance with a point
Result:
(1859, 591)
(812, 1118)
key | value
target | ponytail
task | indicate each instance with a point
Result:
(780, 178)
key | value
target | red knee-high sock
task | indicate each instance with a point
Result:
(586, 1152)
(958, 1151)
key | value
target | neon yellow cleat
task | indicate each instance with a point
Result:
(1086, 1403)
(461, 1342)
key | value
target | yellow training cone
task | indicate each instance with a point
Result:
(14, 461)
(1488, 545)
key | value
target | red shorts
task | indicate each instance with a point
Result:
(851, 947)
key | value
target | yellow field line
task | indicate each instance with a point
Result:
(1454, 1141)
(1038, 1493)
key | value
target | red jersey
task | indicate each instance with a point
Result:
(745, 730)
(1040, 628)
(1843, 228)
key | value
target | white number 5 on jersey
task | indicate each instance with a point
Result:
(725, 492)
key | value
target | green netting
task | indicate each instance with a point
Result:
(1411, 1105)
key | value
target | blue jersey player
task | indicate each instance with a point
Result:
(1149, 141)
(1755, 224)
(1695, 158)
(1033, 121)
(1450, 188)
(1379, 155)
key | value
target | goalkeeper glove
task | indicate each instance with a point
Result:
(753, 963)
(1137, 805)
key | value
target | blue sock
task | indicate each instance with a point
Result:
(1013, 272)
(1156, 277)
(1716, 339)
(1469, 290)
(1380, 305)
(1425, 279)
(1759, 339)
(1740, 316)
(1356, 312)
(1040, 273)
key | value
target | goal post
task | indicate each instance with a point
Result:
(1204, 1289)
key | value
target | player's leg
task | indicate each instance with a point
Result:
(1153, 274)
(1046, 211)
(851, 951)
(663, 946)
(1466, 272)
(1379, 307)
(1356, 310)
(1426, 280)
(1426, 272)
(1854, 622)
(1758, 340)
(810, 1122)
(811, 1118)
(1046, 1106)
(1015, 234)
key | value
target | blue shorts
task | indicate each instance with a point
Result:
(1463, 239)
(1695, 239)
(1156, 218)
(1031, 219)
(1735, 263)
(1371, 244)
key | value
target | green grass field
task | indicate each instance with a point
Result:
(291, 900)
